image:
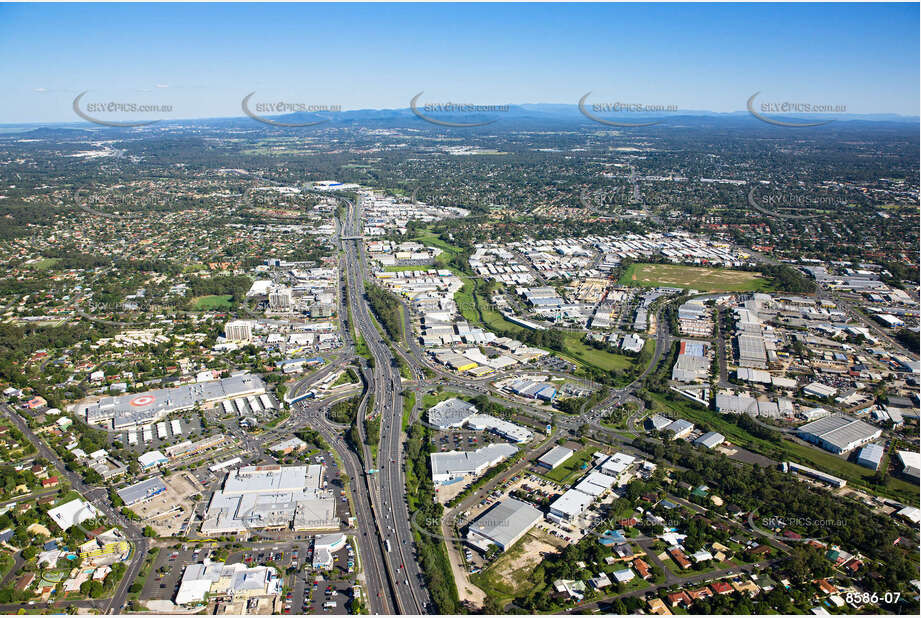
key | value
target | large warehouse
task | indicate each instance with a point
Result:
(135, 409)
(555, 457)
(142, 491)
(271, 497)
(839, 433)
(503, 524)
(455, 465)
(451, 413)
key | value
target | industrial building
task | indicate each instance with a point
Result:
(455, 465)
(657, 422)
(503, 524)
(569, 505)
(142, 491)
(711, 439)
(911, 462)
(692, 363)
(616, 464)
(752, 352)
(819, 390)
(595, 484)
(839, 433)
(834, 481)
(136, 409)
(504, 429)
(531, 389)
(452, 413)
(554, 457)
(680, 428)
(278, 497)
(871, 456)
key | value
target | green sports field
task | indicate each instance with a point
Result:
(219, 301)
(698, 278)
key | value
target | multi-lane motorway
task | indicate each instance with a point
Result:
(387, 486)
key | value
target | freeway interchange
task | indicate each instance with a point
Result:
(394, 578)
(383, 528)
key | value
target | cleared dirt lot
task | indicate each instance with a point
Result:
(510, 574)
(169, 511)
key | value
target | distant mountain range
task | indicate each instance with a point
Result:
(525, 116)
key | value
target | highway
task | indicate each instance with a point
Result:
(387, 486)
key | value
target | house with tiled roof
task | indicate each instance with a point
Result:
(826, 587)
(679, 598)
(747, 586)
(721, 587)
(657, 606)
(680, 559)
(700, 593)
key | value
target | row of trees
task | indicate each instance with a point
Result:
(386, 308)
(427, 515)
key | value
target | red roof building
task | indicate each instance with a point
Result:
(721, 588)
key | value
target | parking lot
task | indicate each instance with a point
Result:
(317, 595)
(164, 578)
(191, 429)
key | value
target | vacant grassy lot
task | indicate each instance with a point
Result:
(44, 263)
(220, 301)
(598, 358)
(704, 279)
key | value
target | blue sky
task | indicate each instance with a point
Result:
(203, 59)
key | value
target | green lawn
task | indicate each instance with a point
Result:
(598, 358)
(698, 278)
(567, 471)
(430, 399)
(216, 301)
(44, 263)
(409, 400)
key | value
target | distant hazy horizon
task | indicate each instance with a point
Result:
(201, 60)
